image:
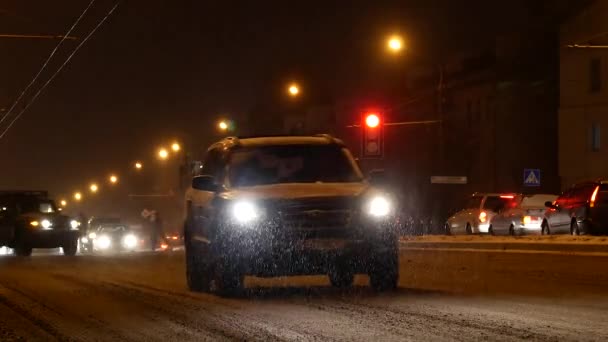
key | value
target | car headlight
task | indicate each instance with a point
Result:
(74, 224)
(46, 224)
(244, 212)
(379, 206)
(129, 241)
(84, 240)
(103, 242)
(92, 236)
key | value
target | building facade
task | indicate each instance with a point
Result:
(583, 107)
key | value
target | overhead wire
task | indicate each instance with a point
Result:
(46, 62)
(60, 68)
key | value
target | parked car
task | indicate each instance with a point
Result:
(273, 206)
(521, 215)
(477, 213)
(582, 209)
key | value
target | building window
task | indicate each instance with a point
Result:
(595, 75)
(595, 137)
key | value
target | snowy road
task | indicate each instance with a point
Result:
(443, 295)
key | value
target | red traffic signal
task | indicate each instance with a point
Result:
(372, 120)
(372, 135)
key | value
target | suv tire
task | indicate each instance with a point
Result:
(23, 250)
(228, 280)
(70, 248)
(384, 271)
(198, 275)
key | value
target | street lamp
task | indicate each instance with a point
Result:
(63, 203)
(138, 165)
(93, 188)
(394, 43)
(294, 90)
(77, 196)
(223, 125)
(175, 147)
(163, 154)
(113, 179)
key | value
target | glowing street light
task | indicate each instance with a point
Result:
(163, 154)
(93, 187)
(113, 179)
(77, 196)
(138, 165)
(222, 125)
(294, 90)
(63, 203)
(175, 147)
(395, 44)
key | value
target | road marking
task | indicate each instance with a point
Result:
(515, 251)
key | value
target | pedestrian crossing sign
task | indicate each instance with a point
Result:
(532, 177)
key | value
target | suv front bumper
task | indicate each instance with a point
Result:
(48, 238)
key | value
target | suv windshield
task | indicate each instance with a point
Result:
(292, 164)
(35, 205)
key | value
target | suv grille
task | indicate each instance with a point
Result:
(318, 218)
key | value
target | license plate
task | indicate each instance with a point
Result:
(322, 244)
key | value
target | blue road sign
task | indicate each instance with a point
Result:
(532, 177)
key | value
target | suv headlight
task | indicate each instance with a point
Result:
(245, 212)
(74, 224)
(46, 224)
(379, 206)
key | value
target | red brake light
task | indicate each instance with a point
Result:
(594, 196)
(483, 216)
(507, 196)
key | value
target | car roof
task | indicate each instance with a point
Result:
(494, 194)
(281, 140)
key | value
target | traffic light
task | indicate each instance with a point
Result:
(373, 135)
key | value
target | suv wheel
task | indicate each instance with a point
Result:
(70, 248)
(23, 250)
(447, 229)
(228, 280)
(197, 271)
(341, 278)
(384, 272)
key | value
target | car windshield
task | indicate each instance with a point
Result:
(292, 164)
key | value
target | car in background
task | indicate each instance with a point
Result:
(477, 214)
(291, 205)
(521, 215)
(29, 219)
(582, 209)
(108, 236)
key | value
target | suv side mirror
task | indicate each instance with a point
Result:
(204, 183)
(378, 178)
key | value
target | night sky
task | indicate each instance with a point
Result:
(163, 70)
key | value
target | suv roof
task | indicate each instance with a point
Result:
(258, 141)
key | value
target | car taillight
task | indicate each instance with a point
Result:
(483, 216)
(526, 220)
(594, 196)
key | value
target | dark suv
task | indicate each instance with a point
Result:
(582, 209)
(28, 219)
(270, 206)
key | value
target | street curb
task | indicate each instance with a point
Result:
(507, 246)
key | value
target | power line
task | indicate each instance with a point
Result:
(59, 70)
(37, 36)
(46, 62)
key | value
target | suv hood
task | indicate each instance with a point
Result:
(297, 190)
